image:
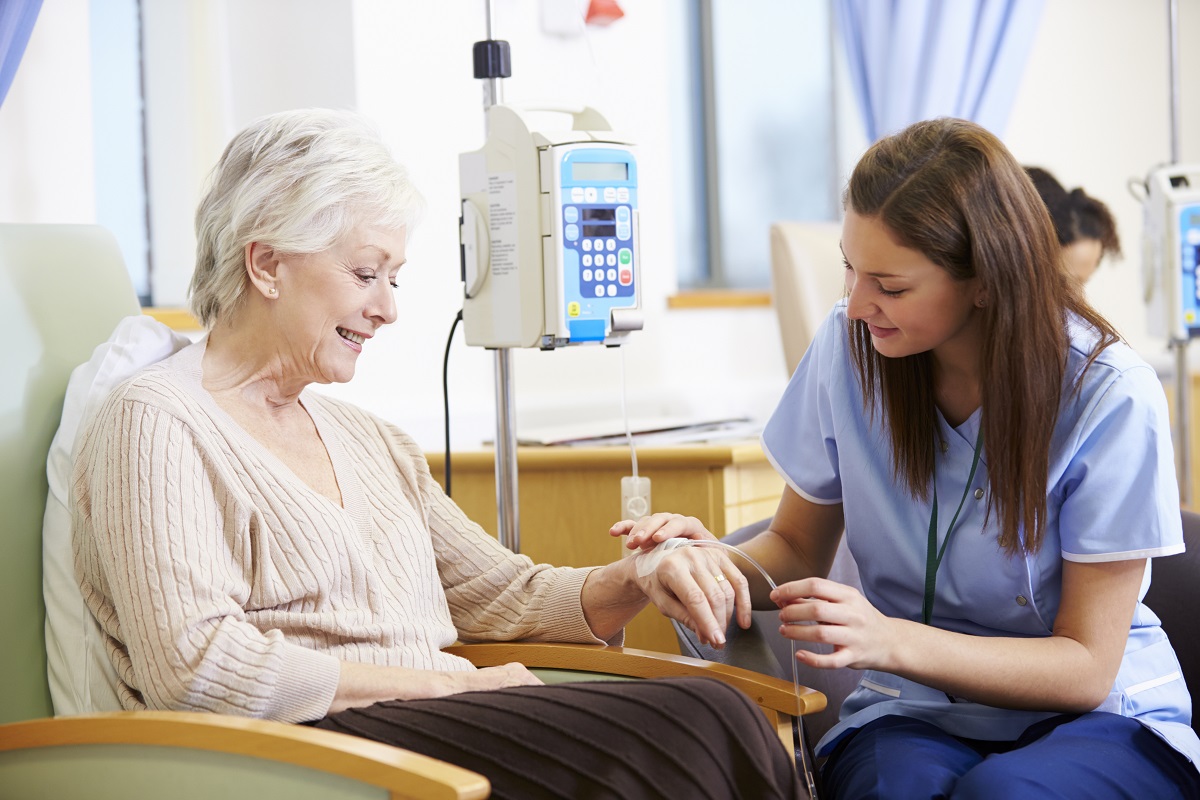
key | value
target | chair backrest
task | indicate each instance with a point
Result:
(63, 288)
(806, 280)
(1174, 596)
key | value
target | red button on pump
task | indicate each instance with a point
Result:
(626, 277)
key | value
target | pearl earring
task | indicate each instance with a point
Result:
(271, 291)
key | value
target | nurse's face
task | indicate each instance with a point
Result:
(910, 304)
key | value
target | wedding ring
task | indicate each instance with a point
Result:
(720, 576)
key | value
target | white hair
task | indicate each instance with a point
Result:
(297, 181)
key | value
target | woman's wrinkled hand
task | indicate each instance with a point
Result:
(698, 586)
(488, 678)
(830, 613)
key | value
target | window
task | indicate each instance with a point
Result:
(758, 141)
(115, 38)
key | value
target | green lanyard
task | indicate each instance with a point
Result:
(933, 555)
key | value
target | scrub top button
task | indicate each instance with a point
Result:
(979, 494)
(1021, 600)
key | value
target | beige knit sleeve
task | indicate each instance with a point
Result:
(493, 594)
(165, 564)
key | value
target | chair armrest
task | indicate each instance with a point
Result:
(767, 692)
(400, 772)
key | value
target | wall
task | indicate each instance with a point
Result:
(46, 172)
(415, 79)
(211, 67)
(1092, 108)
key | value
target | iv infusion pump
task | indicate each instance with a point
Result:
(1171, 251)
(549, 233)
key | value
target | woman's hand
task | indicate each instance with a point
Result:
(700, 587)
(647, 532)
(365, 684)
(831, 613)
(487, 679)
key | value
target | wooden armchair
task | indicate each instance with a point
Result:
(63, 289)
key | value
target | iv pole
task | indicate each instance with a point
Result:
(492, 62)
(1183, 388)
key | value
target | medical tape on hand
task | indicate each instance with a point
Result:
(648, 560)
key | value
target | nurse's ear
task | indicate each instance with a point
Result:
(262, 267)
(980, 298)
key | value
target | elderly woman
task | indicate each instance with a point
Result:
(251, 547)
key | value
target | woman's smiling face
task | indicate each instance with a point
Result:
(330, 303)
(910, 304)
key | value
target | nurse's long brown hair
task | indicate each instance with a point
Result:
(951, 190)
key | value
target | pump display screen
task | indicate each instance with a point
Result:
(599, 171)
(599, 215)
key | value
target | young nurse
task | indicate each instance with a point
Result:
(1001, 465)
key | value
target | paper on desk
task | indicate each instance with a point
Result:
(656, 432)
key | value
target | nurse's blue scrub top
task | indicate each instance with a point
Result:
(1112, 496)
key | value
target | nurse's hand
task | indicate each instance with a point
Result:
(831, 613)
(648, 532)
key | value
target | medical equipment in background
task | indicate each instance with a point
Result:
(1171, 251)
(549, 247)
(1170, 197)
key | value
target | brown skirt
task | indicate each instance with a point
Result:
(669, 738)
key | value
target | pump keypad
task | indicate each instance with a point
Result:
(602, 232)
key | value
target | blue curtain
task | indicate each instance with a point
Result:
(16, 23)
(915, 59)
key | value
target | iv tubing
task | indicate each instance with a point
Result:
(806, 766)
(625, 414)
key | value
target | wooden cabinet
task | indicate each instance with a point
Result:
(568, 497)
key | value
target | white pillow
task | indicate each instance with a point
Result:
(82, 679)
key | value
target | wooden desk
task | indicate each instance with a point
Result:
(1193, 437)
(568, 497)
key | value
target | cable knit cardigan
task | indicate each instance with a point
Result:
(224, 583)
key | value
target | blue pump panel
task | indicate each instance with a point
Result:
(1189, 243)
(598, 190)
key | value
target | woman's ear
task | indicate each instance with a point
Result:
(980, 298)
(262, 266)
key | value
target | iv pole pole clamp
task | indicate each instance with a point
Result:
(1183, 378)
(492, 62)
